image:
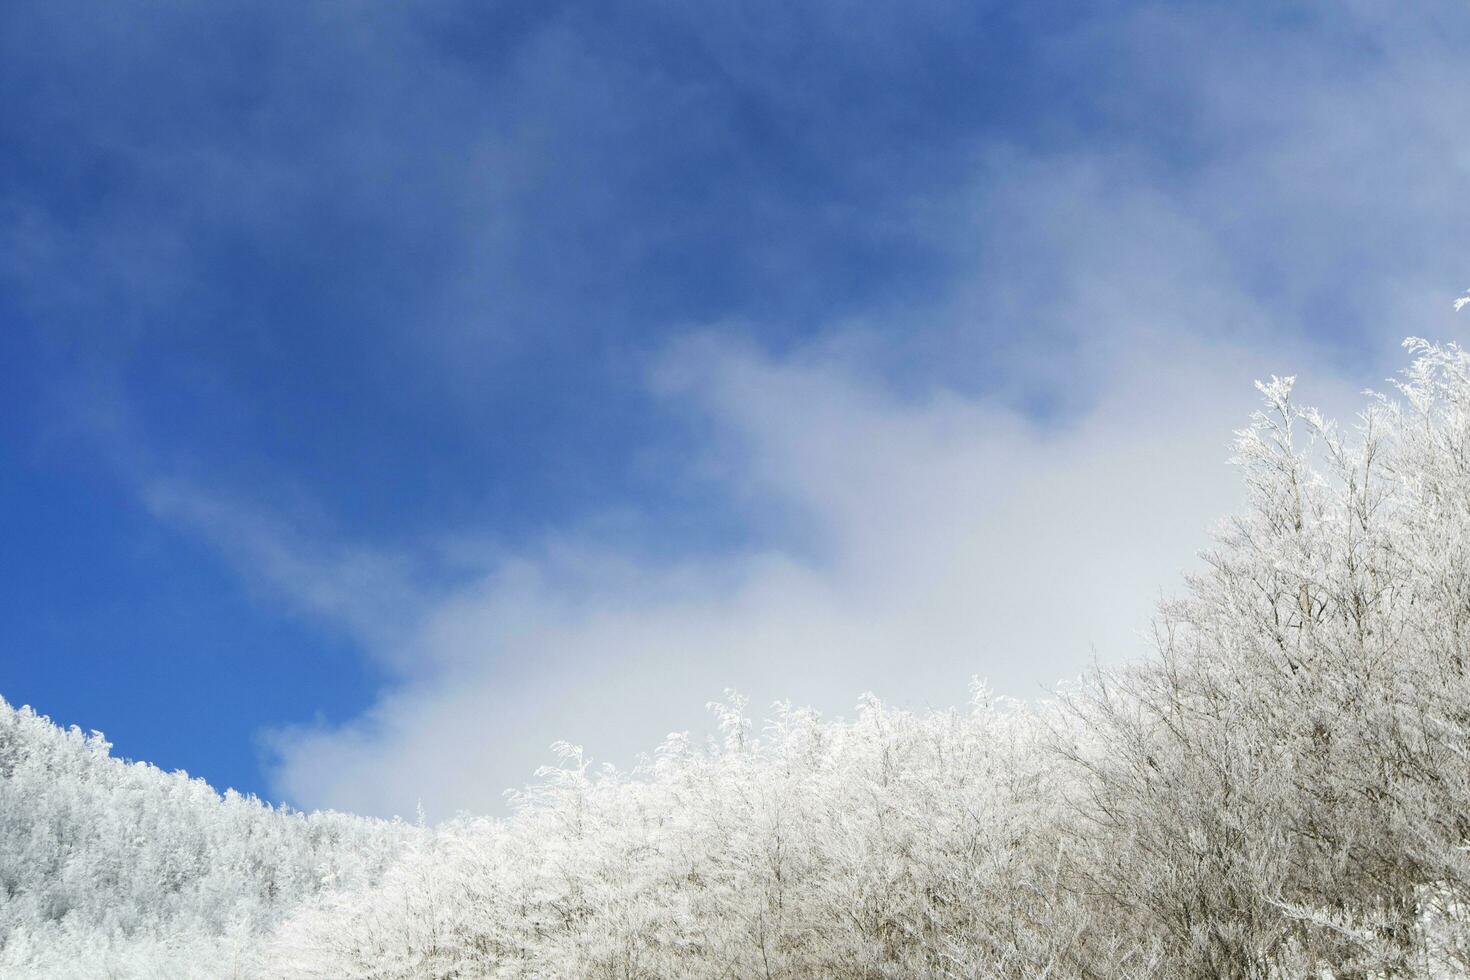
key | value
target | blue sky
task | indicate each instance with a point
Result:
(389, 389)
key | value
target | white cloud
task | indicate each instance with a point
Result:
(944, 537)
(923, 532)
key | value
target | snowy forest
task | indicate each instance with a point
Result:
(1280, 788)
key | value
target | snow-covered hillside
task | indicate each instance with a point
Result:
(1282, 791)
(108, 868)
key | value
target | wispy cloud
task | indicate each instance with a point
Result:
(374, 597)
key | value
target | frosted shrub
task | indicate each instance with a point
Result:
(895, 845)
